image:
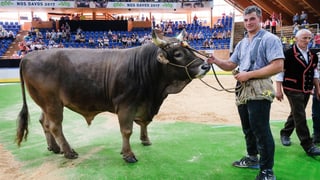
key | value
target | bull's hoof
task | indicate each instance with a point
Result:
(130, 159)
(55, 150)
(71, 155)
(146, 143)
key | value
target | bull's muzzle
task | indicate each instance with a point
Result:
(205, 67)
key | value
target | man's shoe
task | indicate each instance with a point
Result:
(285, 141)
(316, 139)
(313, 151)
(266, 174)
(247, 162)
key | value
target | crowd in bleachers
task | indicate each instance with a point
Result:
(8, 32)
(198, 36)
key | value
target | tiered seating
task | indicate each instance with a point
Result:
(218, 43)
(5, 43)
(13, 26)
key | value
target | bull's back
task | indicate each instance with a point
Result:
(73, 77)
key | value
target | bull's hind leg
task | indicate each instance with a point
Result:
(54, 117)
(143, 131)
(52, 144)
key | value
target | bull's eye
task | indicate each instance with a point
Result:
(178, 54)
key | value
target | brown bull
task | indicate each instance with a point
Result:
(131, 83)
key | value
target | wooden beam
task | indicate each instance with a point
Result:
(289, 6)
(314, 5)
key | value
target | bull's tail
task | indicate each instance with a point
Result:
(23, 118)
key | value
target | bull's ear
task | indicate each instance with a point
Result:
(156, 40)
(162, 59)
(180, 37)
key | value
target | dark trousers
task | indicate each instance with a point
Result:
(255, 117)
(316, 116)
(297, 118)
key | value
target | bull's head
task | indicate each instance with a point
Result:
(177, 52)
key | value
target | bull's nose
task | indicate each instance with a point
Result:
(205, 67)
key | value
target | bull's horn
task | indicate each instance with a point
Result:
(156, 40)
(180, 37)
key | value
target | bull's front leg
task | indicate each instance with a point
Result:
(126, 131)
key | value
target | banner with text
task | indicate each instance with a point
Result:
(36, 4)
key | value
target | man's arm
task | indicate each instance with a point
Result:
(271, 69)
(226, 65)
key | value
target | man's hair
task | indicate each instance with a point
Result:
(251, 9)
(301, 31)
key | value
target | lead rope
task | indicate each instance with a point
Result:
(237, 89)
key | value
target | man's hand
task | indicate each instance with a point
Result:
(243, 76)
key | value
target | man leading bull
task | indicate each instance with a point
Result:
(258, 56)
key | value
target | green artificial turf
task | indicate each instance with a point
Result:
(179, 150)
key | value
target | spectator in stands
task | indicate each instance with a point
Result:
(59, 36)
(196, 37)
(27, 37)
(82, 3)
(214, 34)
(295, 28)
(11, 35)
(82, 37)
(180, 26)
(106, 41)
(274, 26)
(291, 41)
(317, 41)
(296, 18)
(224, 34)
(267, 24)
(200, 36)
(100, 42)
(211, 43)
(39, 35)
(110, 33)
(22, 47)
(303, 16)
(206, 44)
(79, 30)
(68, 36)
(91, 42)
(190, 37)
(228, 34)
(15, 55)
(77, 38)
(63, 34)
(101, 3)
(169, 30)
(67, 27)
(284, 42)
(114, 38)
(62, 27)
(153, 20)
(305, 24)
(219, 35)
(195, 20)
(48, 34)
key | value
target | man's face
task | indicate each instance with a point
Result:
(303, 40)
(251, 22)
